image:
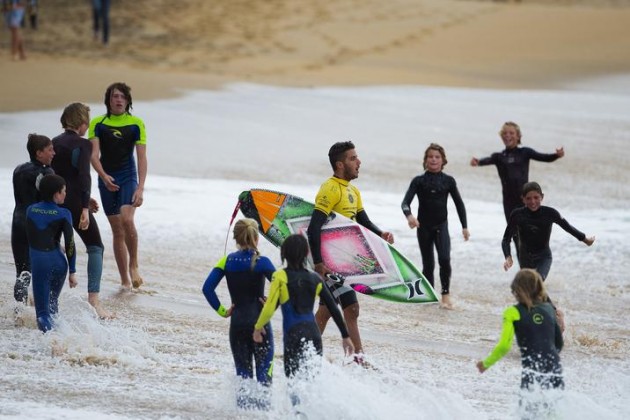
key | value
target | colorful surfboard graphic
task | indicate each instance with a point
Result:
(369, 264)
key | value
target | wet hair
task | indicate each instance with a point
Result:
(528, 288)
(294, 251)
(531, 186)
(337, 152)
(50, 185)
(513, 125)
(437, 147)
(36, 143)
(246, 234)
(126, 90)
(74, 115)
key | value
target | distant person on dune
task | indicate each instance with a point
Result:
(539, 337)
(295, 289)
(100, 19)
(245, 271)
(432, 189)
(46, 221)
(114, 137)
(338, 195)
(13, 16)
(513, 165)
(26, 180)
(72, 162)
(533, 224)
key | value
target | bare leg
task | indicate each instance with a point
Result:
(131, 241)
(96, 304)
(321, 317)
(446, 302)
(120, 249)
(351, 315)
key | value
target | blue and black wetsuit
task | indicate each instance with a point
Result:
(513, 168)
(45, 223)
(72, 162)
(26, 179)
(534, 231)
(432, 190)
(245, 272)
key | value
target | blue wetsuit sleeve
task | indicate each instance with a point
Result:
(541, 157)
(330, 303)
(408, 198)
(265, 266)
(68, 237)
(314, 233)
(211, 284)
(459, 204)
(364, 220)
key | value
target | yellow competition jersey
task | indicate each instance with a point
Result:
(339, 195)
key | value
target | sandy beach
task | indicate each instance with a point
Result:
(160, 49)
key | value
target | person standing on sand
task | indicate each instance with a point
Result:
(13, 16)
(26, 179)
(72, 162)
(338, 195)
(513, 165)
(114, 137)
(100, 19)
(432, 189)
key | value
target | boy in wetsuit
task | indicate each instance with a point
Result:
(295, 289)
(245, 271)
(533, 225)
(45, 223)
(26, 179)
(538, 334)
(72, 162)
(432, 189)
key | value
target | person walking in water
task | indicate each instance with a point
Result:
(114, 137)
(533, 225)
(72, 162)
(432, 189)
(26, 180)
(538, 335)
(245, 271)
(513, 165)
(46, 221)
(295, 289)
(338, 195)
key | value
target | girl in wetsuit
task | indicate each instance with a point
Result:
(538, 335)
(432, 189)
(45, 223)
(532, 224)
(245, 271)
(296, 289)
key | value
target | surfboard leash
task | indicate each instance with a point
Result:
(227, 235)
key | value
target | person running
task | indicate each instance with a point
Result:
(295, 289)
(338, 195)
(46, 221)
(513, 165)
(245, 271)
(432, 189)
(114, 137)
(26, 179)
(533, 225)
(538, 335)
(72, 162)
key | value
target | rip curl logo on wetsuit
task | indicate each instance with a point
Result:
(538, 319)
(116, 133)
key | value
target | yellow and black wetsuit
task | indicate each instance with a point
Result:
(540, 340)
(296, 291)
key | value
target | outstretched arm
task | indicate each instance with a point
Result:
(364, 220)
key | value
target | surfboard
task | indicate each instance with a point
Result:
(368, 263)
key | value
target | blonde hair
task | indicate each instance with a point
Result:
(246, 234)
(74, 115)
(528, 288)
(439, 149)
(514, 126)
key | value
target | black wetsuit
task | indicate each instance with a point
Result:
(26, 179)
(72, 162)
(432, 190)
(534, 232)
(513, 168)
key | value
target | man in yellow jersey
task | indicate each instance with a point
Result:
(115, 136)
(336, 194)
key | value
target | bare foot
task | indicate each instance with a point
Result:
(136, 280)
(446, 302)
(103, 313)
